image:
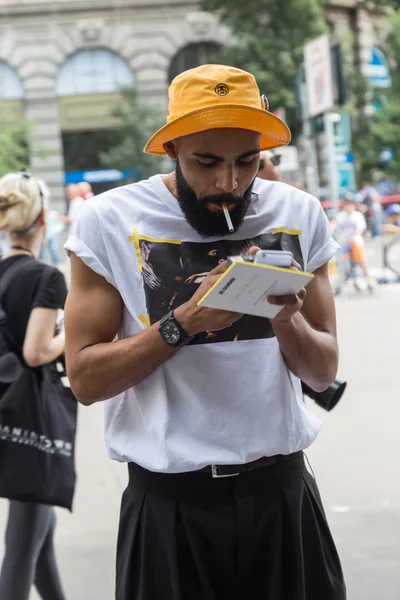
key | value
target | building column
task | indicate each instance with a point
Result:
(46, 152)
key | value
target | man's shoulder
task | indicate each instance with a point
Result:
(122, 198)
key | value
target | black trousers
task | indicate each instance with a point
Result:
(29, 557)
(261, 535)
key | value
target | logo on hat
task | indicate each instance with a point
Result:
(222, 89)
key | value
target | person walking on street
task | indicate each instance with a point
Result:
(76, 202)
(373, 209)
(393, 227)
(31, 312)
(350, 226)
(55, 225)
(205, 405)
(267, 169)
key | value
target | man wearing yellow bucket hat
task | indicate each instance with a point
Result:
(205, 405)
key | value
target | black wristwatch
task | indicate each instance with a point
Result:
(172, 332)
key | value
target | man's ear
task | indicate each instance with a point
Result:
(170, 149)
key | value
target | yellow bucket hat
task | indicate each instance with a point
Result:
(215, 96)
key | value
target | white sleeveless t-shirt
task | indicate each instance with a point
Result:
(228, 397)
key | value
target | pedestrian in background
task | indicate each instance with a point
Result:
(267, 169)
(75, 203)
(85, 190)
(31, 312)
(55, 225)
(350, 226)
(393, 227)
(372, 209)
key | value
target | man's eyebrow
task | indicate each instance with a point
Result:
(210, 156)
(249, 153)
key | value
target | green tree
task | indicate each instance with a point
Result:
(381, 130)
(137, 123)
(13, 146)
(270, 37)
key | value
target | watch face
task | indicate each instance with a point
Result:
(171, 333)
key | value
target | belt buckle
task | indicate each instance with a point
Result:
(214, 471)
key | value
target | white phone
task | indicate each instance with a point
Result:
(274, 258)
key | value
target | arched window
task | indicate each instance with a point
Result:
(192, 56)
(93, 71)
(11, 87)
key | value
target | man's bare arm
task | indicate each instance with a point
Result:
(98, 367)
(308, 338)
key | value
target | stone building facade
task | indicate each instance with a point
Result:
(51, 52)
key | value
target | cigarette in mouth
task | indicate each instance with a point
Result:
(228, 218)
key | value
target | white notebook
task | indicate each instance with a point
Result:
(245, 287)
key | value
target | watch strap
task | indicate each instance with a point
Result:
(185, 338)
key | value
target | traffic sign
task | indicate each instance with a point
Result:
(377, 70)
(101, 175)
(345, 158)
(319, 76)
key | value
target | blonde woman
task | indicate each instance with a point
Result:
(31, 317)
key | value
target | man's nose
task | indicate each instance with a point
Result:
(227, 180)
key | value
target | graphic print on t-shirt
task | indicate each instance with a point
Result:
(172, 273)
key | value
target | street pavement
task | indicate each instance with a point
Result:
(355, 459)
(356, 462)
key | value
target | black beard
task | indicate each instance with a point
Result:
(205, 222)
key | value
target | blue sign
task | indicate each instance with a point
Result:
(345, 157)
(101, 175)
(346, 177)
(377, 70)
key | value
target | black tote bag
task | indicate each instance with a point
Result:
(38, 417)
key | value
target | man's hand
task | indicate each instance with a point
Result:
(291, 303)
(306, 330)
(196, 319)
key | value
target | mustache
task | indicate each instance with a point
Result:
(221, 199)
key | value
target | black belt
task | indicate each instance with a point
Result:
(231, 470)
